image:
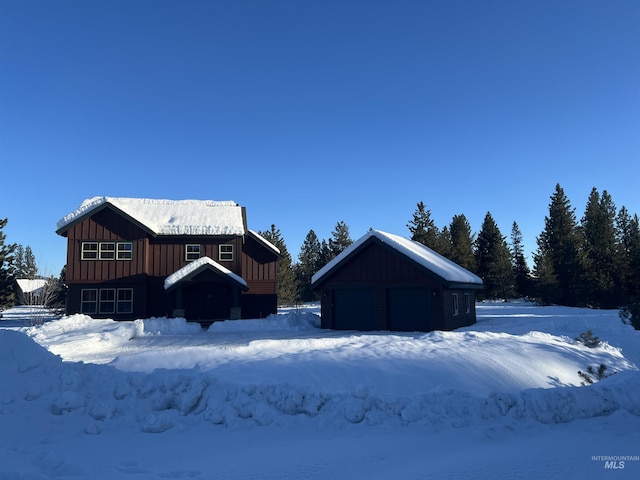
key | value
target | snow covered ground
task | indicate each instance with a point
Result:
(282, 399)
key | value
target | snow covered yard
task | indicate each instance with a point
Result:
(281, 398)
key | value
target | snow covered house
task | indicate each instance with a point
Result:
(386, 282)
(131, 258)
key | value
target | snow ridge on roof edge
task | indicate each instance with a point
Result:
(442, 266)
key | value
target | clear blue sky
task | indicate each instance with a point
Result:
(308, 113)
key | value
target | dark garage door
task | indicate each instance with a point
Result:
(354, 309)
(408, 309)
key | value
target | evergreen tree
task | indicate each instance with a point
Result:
(628, 254)
(18, 262)
(340, 239)
(287, 289)
(559, 245)
(493, 260)
(521, 273)
(423, 229)
(444, 243)
(309, 262)
(30, 267)
(599, 250)
(7, 295)
(546, 286)
(462, 243)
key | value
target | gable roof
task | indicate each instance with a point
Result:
(197, 266)
(168, 217)
(264, 242)
(441, 266)
(28, 285)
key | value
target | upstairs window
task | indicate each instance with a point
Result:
(124, 251)
(456, 311)
(225, 253)
(107, 251)
(89, 251)
(191, 252)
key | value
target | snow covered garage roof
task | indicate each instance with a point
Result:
(28, 285)
(169, 217)
(194, 268)
(423, 256)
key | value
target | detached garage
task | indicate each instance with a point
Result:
(386, 282)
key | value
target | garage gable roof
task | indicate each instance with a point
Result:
(422, 255)
(197, 266)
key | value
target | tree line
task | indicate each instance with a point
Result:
(593, 261)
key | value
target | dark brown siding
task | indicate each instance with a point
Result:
(382, 269)
(259, 268)
(104, 225)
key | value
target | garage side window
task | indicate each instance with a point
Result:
(467, 303)
(89, 301)
(454, 298)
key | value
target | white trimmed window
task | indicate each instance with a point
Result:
(107, 251)
(225, 252)
(107, 300)
(125, 300)
(124, 251)
(191, 252)
(467, 303)
(89, 301)
(89, 251)
(456, 310)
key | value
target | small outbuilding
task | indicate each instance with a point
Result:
(387, 282)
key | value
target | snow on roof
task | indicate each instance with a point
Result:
(264, 241)
(441, 266)
(171, 217)
(30, 285)
(196, 265)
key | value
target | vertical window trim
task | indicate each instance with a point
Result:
(84, 302)
(126, 252)
(102, 302)
(189, 256)
(87, 253)
(228, 255)
(119, 301)
(456, 309)
(103, 248)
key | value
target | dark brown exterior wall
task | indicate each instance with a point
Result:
(379, 267)
(154, 258)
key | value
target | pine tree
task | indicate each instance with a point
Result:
(521, 273)
(628, 254)
(462, 243)
(559, 245)
(7, 296)
(18, 262)
(493, 260)
(309, 262)
(423, 229)
(30, 266)
(546, 286)
(444, 243)
(287, 288)
(340, 239)
(599, 247)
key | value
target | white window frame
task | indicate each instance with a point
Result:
(226, 252)
(467, 303)
(94, 302)
(190, 251)
(105, 302)
(107, 251)
(88, 253)
(124, 301)
(124, 251)
(456, 309)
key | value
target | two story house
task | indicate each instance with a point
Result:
(131, 258)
